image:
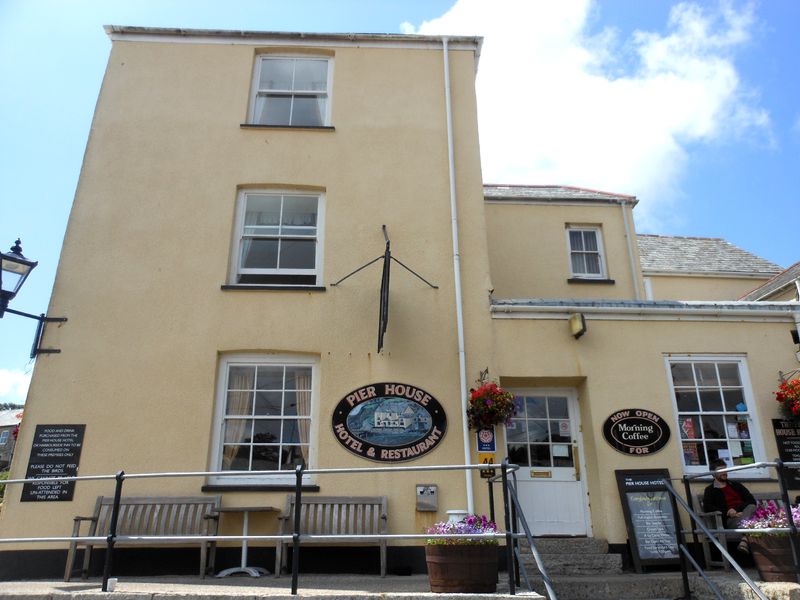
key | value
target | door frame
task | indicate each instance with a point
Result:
(573, 403)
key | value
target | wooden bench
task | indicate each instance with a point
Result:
(334, 515)
(716, 520)
(161, 516)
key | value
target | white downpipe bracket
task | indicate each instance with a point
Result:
(462, 365)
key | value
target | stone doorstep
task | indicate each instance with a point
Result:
(566, 545)
(583, 564)
(572, 556)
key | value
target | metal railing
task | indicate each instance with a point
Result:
(517, 516)
(296, 537)
(697, 521)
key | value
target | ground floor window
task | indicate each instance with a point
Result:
(714, 406)
(264, 414)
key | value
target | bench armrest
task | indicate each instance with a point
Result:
(76, 524)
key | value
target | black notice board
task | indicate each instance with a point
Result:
(56, 451)
(649, 517)
(787, 437)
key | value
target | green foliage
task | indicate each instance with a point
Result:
(10, 406)
(3, 477)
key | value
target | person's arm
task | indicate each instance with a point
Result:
(747, 497)
(711, 500)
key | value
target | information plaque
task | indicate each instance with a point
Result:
(56, 451)
(787, 437)
(649, 517)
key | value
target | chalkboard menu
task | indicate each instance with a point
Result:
(787, 437)
(649, 517)
(56, 451)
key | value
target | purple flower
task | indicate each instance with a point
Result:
(471, 524)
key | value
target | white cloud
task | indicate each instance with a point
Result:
(14, 386)
(558, 105)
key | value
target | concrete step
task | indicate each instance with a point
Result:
(664, 586)
(568, 545)
(575, 564)
(613, 586)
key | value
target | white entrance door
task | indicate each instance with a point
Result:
(544, 439)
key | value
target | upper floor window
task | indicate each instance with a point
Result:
(714, 408)
(586, 252)
(264, 413)
(3, 437)
(292, 92)
(279, 238)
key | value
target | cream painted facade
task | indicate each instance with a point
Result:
(149, 279)
(700, 286)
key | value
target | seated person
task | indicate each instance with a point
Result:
(730, 498)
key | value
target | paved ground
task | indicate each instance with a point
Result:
(341, 587)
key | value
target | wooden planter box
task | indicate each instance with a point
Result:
(462, 568)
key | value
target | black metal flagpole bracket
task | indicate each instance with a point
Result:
(383, 312)
(36, 348)
(376, 259)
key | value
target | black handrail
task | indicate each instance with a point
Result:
(518, 517)
(723, 551)
(121, 476)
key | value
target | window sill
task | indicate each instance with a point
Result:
(589, 280)
(278, 288)
(257, 488)
(289, 127)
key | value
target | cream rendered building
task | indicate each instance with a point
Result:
(231, 178)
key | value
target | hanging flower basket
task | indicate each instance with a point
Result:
(788, 396)
(489, 405)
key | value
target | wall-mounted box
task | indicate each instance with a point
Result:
(427, 497)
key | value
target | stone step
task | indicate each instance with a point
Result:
(647, 586)
(568, 545)
(655, 586)
(575, 564)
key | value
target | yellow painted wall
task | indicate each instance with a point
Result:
(148, 247)
(529, 256)
(620, 364)
(682, 287)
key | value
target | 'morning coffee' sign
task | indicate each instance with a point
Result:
(636, 431)
(389, 422)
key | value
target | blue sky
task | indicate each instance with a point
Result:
(694, 108)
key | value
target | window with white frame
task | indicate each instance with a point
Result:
(3, 437)
(278, 238)
(714, 407)
(586, 252)
(291, 91)
(264, 415)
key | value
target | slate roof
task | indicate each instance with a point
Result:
(781, 280)
(550, 192)
(699, 255)
(9, 417)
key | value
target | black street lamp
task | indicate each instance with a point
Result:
(14, 270)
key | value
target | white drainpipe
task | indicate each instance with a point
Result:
(462, 365)
(634, 271)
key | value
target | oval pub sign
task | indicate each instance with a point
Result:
(389, 422)
(636, 431)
